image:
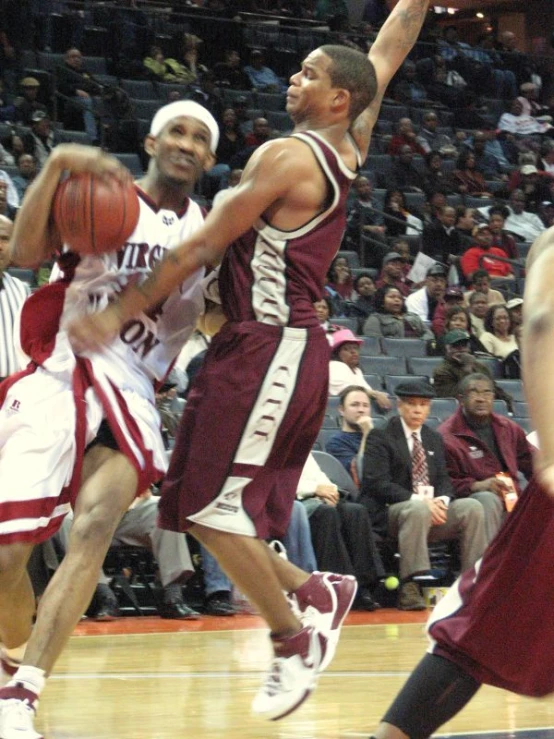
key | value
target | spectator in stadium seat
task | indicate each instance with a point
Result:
(229, 73)
(519, 124)
(362, 217)
(453, 299)
(480, 281)
(79, 88)
(479, 444)
(26, 104)
(465, 223)
(405, 176)
(478, 306)
(262, 78)
(412, 499)
(424, 302)
(410, 91)
(405, 134)
(468, 180)
(485, 163)
(339, 280)
(528, 226)
(430, 140)
(498, 337)
(344, 367)
(459, 361)
(500, 237)
(440, 239)
(355, 425)
(475, 257)
(435, 177)
(391, 318)
(456, 317)
(260, 133)
(27, 171)
(324, 311)
(341, 531)
(393, 274)
(398, 220)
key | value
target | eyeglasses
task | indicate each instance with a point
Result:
(485, 393)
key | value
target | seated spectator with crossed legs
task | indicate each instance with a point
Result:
(409, 495)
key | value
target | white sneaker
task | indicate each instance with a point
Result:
(324, 602)
(292, 676)
(16, 719)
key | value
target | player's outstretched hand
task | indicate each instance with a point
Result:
(76, 158)
(92, 333)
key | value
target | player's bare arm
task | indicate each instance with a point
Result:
(390, 49)
(277, 183)
(538, 349)
(34, 237)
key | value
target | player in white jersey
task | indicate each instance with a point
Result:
(83, 430)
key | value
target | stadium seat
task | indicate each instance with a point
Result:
(423, 365)
(352, 256)
(25, 275)
(381, 365)
(433, 422)
(280, 120)
(513, 388)
(392, 381)
(344, 322)
(270, 101)
(500, 407)
(337, 474)
(525, 423)
(403, 347)
(521, 409)
(324, 436)
(371, 346)
(443, 408)
(494, 365)
(139, 89)
(374, 381)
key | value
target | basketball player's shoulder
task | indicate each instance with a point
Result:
(284, 155)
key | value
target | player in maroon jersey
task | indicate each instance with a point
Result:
(493, 626)
(259, 400)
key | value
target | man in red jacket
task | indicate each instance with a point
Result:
(469, 261)
(479, 444)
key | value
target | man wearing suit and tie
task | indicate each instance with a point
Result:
(409, 494)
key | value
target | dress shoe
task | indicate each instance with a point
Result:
(105, 606)
(177, 610)
(364, 601)
(219, 604)
(410, 597)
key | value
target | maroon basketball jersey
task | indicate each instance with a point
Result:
(275, 276)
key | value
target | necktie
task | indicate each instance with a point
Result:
(420, 471)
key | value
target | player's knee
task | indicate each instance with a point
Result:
(95, 525)
(13, 563)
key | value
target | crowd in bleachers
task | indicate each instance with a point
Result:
(458, 182)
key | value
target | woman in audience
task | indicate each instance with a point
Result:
(435, 177)
(363, 303)
(398, 220)
(344, 367)
(498, 337)
(391, 318)
(339, 285)
(457, 317)
(468, 180)
(324, 311)
(500, 238)
(231, 141)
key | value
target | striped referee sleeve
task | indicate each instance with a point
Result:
(12, 296)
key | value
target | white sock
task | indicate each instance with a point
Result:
(32, 678)
(16, 654)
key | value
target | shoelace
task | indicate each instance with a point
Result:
(274, 681)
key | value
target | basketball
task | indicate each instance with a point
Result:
(93, 215)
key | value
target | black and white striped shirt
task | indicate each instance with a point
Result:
(13, 293)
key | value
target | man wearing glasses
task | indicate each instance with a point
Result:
(480, 445)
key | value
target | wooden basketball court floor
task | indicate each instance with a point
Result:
(147, 678)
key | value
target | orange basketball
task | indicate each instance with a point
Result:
(93, 215)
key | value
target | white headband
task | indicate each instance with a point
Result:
(190, 109)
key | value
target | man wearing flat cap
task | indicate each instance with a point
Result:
(425, 301)
(459, 362)
(409, 494)
(27, 103)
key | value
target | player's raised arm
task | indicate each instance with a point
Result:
(273, 170)
(391, 47)
(538, 349)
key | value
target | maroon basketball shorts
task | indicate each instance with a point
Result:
(250, 422)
